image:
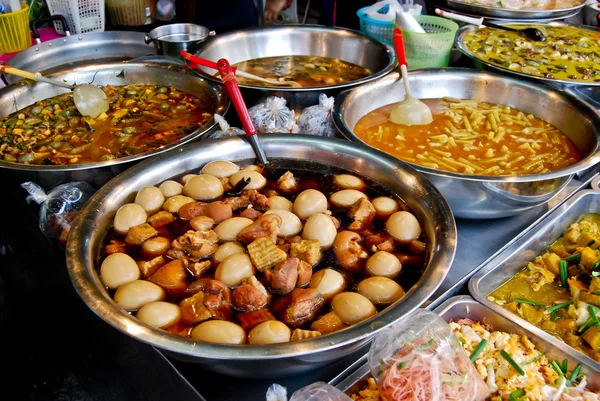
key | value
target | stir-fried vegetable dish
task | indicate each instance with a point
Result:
(471, 137)
(245, 255)
(526, 4)
(569, 53)
(511, 366)
(306, 70)
(559, 291)
(141, 118)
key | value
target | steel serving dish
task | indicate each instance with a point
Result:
(82, 49)
(284, 151)
(515, 257)
(21, 94)
(508, 13)
(463, 306)
(482, 64)
(472, 196)
(171, 39)
(305, 40)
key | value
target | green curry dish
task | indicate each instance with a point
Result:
(569, 53)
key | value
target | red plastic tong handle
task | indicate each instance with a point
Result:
(233, 89)
(200, 61)
(399, 45)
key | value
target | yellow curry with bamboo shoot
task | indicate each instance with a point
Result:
(568, 53)
(559, 291)
(141, 118)
(471, 137)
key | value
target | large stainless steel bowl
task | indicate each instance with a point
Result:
(472, 196)
(19, 95)
(305, 40)
(299, 151)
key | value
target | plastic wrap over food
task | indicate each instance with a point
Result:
(317, 120)
(420, 359)
(276, 393)
(225, 130)
(59, 207)
(319, 391)
(273, 116)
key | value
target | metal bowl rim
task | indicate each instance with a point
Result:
(525, 12)
(463, 31)
(386, 70)
(589, 161)
(83, 277)
(116, 67)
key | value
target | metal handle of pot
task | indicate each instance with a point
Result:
(148, 39)
(57, 17)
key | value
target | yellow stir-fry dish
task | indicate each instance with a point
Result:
(510, 365)
(568, 53)
(559, 291)
(471, 137)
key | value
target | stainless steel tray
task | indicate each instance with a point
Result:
(512, 259)
(507, 13)
(464, 306)
(561, 83)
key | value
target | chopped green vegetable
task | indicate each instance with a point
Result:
(512, 362)
(557, 368)
(402, 365)
(529, 301)
(559, 306)
(534, 360)
(516, 394)
(563, 273)
(478, 350)
(565, 366)
(575, 256)
(575, 372)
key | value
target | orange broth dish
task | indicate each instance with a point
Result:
(471, 137)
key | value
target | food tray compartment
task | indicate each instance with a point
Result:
(515, 257)
(463, 306)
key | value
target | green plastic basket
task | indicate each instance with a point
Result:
(433, 48)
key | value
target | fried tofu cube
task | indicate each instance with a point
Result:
(193, 310)
(588, 257)
(149, 267)
(198, 269)
(363, 213)
(595, 285)
(138, 234)
(552, 263)
(300, 334)
(592, 337)
(328, 323)
(307, 250)
(586, 239)
(265, 254)
(115, 247)
(161, 219)
(248, 320)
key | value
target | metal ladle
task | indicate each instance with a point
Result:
(410, 111)
(90, 100)
(228, 77)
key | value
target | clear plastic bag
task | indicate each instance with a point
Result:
(225, 130)
(420, 359)
(276, 393)
(59, 207)
(319, 391)
(317, 120)
(273, 116)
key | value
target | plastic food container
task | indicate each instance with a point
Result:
(433, 48)
(127, 12)
(14, 31)
(82, 16)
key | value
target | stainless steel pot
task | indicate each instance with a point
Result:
(78, 50)
(17, 96)
(286, 151)
(310, 40)
(472, 196)
(169, 40)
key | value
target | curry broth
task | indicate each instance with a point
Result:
(471, 137)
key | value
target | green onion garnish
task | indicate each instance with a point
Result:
(559, 306)
(380, 372)
(529, 301)
(512, 362)
(516, 394)
(597, 293)
(575, 372)
(402, 365)
(575, 256)
(565, 366)
(534, 359)
(563, 273)
(593, 316)
(557, 368)
(596, 265)
(478, 350)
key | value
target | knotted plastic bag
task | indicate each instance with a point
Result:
(317, 120)
(420, 359)
(319, 391)
(59, 207)
(273, 116)
(225, 130)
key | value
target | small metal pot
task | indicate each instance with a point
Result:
(474, 196)
(312, 40)
(285, 151)
(169, 40)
